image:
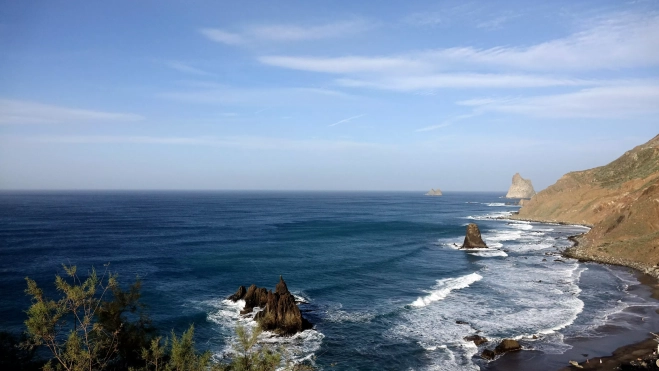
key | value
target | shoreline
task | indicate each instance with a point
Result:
(619, 341)
(624, 351)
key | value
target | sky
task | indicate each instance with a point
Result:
(321, 95)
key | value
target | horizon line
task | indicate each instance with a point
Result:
(227, 190)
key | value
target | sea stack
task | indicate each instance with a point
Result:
(521, 188)
(473, 238)
(434, 192)
(280, 312)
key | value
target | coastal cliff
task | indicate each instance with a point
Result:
(521, 188)
(620, 201)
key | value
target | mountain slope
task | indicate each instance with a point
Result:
(621, 203)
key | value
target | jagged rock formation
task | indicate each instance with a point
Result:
(280, 312)
(506, 345)
(621, 203)
(521, 188)
(434, 192)
(473, 238)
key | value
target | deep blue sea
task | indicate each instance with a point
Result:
(382, 278)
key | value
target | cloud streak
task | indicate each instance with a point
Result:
(286, 32)
(463, 80)
(227, 95)
(26, 112)
(346, 120)
(234, 142)
(606, 102)
(185, 68)
(619, 41)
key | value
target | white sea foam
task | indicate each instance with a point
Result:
(522, 299)
(503, 235)
(489, 254)
(494, 204)
(495, 215)
(522, 226)
(335, 313)
(444, 287)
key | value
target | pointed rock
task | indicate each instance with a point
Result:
(473, 238)
(521, 188)
(281, 287)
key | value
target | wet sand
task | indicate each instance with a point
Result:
(624, 338)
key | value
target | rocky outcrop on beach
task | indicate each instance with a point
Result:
(473, 239)
(505, 346)
(619, 200)
(633, 357)
(434, 192)
(477, 339)
(521, 188)
(279, 313)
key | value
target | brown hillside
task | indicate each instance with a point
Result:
(620, 201)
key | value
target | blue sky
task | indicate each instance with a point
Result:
(322, 95)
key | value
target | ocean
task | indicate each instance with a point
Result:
(379, 273)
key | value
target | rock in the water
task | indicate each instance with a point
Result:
(507, 345)
(473, 238)
(488, 354)
(521, 188)
(478, 340)
(434, 192)
(280, 312)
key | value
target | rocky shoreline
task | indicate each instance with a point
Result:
(641, 355)
(578, 252)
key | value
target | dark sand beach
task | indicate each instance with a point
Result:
(626, 337)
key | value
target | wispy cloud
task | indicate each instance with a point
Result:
(621, 41)
(463, 80)
(221, 36)
(606, 102)
(618, 41)
(242, 142)
(186, 68)
(286, 32)
(444, 16)
(449, 122)
(433, 127)
(346, 64)
(26, 112)
(346, 120)
(498, 21)
(228, 95)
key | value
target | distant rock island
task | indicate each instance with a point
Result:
(473, 238)
(521, 188)
(434, 192)
(621, 203)
(280, 312)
